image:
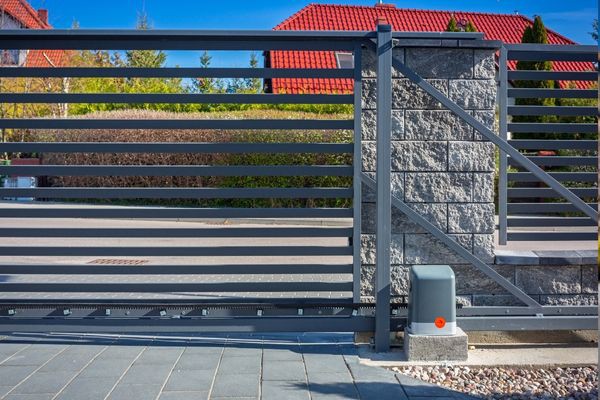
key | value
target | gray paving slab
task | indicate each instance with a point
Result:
(72, 359)
(157, 355)
(245, 351)
(284, 353)
(198, 361)
(240, 365)
(325, 363)
(363, 373)
(87, 388)
(121, 352)
(134, 391)
(34, 356)
(36, 396)
(381, 391)
(190, 381)
(183, 396)
(45, 382)
(13, 374)
(147, 373)
(104, 368)
(283, 371)
(288, 390)
(235, 385)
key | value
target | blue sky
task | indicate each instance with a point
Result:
(571, 18)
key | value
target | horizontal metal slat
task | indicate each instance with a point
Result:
(548, 192)
(559, 176)
(526, 55)
(558, 161)
(237, 232)
(541, 208)
(549, 221)
(530, 144)
(177, 193)
(553, 110)
(198, 287)
(174, 213)
(122, 251)
(189, 147)
(178, 98)
(526, 93)
(228, 269)
(295, 124)
(553, 75)
(177, 170)
(552, 236)
(530, 127)
(174, 72)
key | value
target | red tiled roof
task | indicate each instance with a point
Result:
(24, 13)
(505, 27)
(21, 11)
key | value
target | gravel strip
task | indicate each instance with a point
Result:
(512, 383)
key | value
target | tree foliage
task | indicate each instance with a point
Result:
(453, 26)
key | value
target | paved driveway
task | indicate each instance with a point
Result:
(269, 366)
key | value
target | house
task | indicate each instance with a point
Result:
(18, 14)
(505, 27)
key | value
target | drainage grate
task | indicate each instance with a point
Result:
(114, 261)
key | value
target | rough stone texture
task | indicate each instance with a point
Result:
(438, 187)
(369, 156)
(369, 125)
(434, 213)
(473, 94)
(426, 249)
(436, 348)
(471, 218)
(483, 187)
(465, 301)
(471, 156)
(399, 279)
(397, 183)
(369, 62)
(589, 279)
(483, 246)
(436, 125)
(563, 279)
(406, 94)
(469, 280)
(569, 300)
(441, 63)
(419, 156)
(497, 300)
(485, 67)
(367, 249)
(487, 118)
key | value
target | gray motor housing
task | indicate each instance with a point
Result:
(432, 300)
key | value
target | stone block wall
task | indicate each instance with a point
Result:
(441, 167)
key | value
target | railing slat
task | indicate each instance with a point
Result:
(176, 170)
(553, 75)
(296, 124)
(189, 147)
(558, 161)
(541, 208)
(549, 193)
(527, 93)
(549, 221)
(553, 110)
(532, 144)
(176, 193)
(552, 236)
(534, 127)
(559, 176)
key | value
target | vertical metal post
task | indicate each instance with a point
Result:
(357, 182)
(384, 200)
(503, 167)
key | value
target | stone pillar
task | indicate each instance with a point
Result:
(441, 167)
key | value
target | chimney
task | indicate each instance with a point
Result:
(381, 4)
(43, 15)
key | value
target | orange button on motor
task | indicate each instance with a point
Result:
(440, 322)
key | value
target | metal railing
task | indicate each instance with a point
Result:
(528, 209)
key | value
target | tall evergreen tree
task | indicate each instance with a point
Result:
(204, 85)
(452, 25)
(470, 27)
(536, 33)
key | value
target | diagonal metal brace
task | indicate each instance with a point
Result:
(461, 251)
(498, 141)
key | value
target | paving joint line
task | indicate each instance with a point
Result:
(15, 353)
(36, 370)
(212, 384)
(304, 365)
(112, 389)
(169, 375)
(79, 372)
(262, 365)
(351, 374)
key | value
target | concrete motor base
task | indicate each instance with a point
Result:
(436, 348)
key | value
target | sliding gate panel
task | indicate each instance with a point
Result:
(238, 220)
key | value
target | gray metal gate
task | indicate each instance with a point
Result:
(248, 314)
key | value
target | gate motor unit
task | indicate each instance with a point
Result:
(432, 300)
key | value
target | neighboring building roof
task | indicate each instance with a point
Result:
(23, 13)
(505, 27)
